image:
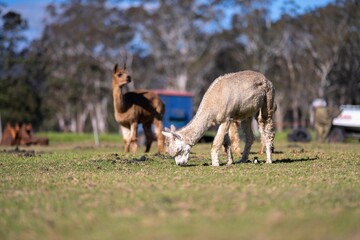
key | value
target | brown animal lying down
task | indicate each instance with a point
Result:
(21, 135)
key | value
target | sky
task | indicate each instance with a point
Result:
(34, 11)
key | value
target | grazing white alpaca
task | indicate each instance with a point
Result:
(230, 98)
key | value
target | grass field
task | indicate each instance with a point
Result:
(71, 190)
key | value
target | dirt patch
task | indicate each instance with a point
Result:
(20, 152)
(117, 159)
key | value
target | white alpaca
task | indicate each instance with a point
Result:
(230, 98)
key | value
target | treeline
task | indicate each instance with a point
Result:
(62, 81)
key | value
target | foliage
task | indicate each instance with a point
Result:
(182, 45)
(309, 192)
(16, 91)
(79, 76)
(177, 36)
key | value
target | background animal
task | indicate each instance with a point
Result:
(134, 107)
(235, 139)
(8, 136)
(21, 135)
(233, 97)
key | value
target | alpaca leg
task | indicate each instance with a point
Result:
(267, 134)
(126, 137)
(158, 125)
(262, 136)
(228, 145)
(218, 141)
(249, 138)
(269, 139)
(133, 133)
(234, 137)
(262, 146)
(148, 136)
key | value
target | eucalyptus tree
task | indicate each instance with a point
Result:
(324, 33)
(19, 101)
(344, 78)
(177, 35)
(81, 41)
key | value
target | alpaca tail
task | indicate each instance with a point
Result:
(269, 105)
(265, 117)
(270, 99)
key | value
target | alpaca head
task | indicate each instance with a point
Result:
(120, 77)
(176, 146)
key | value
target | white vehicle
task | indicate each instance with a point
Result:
(347, 124)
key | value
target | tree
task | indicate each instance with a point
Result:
(177, 35)
(81, 42)
(324, 31)
(344, 78)
(18, 99)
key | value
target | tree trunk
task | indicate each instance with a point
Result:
(279, 118)
(181, 80)
(296, 117)
(304, 111)
(101, 115)
(323, 81)
(61, 122)
(73, 124)
(94, 124)
(81, 118)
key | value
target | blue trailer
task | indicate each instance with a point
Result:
(178, 110)
(178, 107)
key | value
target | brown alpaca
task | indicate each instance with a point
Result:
(235, 139)
(25, 134)
(8, 137)
(132, 108)
(21, 135)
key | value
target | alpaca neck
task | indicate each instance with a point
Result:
(118, 100)
(196, 128)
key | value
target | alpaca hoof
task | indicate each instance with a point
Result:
(268, 161)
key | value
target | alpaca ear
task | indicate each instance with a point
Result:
(178, 136)
(115, 68)
(172, 128)
(171, 135)
(167, 129)
(167, 134)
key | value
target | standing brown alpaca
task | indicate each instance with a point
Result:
(132, 108)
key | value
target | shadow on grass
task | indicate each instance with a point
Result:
(279, 161)
(284, 160)
(190, 165)
(274, 152)
(288, 160)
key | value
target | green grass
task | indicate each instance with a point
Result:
(311, 191)
(61, 138)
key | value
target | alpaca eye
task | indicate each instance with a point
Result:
(120, 74)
